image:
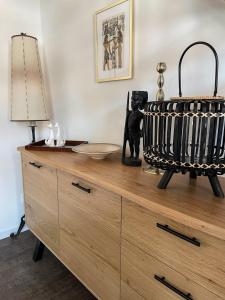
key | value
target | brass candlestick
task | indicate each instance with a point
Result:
(161, 68)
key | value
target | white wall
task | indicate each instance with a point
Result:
(15, 17)
(163, 28)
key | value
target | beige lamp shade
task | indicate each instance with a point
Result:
(28, 101)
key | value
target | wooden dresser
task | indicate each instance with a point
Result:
(119, 234)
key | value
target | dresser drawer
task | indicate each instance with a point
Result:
(181, 247)
(43, 224)
(41, 201)
(154, 280)
(98, 275)
(40, 182)
(127, 293)
(90, 227)
(85, 196)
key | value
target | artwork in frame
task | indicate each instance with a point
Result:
(114, 41)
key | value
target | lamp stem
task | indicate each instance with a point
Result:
(33, 125)
(33, 133)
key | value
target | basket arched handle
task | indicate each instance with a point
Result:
(216, 65)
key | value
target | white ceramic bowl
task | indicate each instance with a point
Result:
(96, 150)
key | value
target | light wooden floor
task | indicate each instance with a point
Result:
(22, 279)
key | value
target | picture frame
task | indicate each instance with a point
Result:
(114, 41)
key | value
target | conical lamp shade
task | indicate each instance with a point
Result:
(28, 101)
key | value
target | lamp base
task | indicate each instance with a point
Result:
(33, 126)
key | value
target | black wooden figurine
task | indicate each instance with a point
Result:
(132, 130)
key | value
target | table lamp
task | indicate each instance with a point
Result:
(28, 101)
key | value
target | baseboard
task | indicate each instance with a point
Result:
(6, 233)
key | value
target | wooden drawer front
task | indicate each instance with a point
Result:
(127, 293)
(41, 203)
(142, 272)
(174, 245)
(90, 225)
(94, 200)
(40, 183)
(43, 223)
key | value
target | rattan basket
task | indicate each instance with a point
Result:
(187, 134)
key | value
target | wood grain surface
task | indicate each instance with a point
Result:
(139, 269)
(41, 201)
(204, 264)
(90, 225)
(187, 201)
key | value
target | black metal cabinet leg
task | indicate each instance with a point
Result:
(165, 179)
(217, 189)
(22, 223)
(38, 251)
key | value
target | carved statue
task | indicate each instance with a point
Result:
(132, 131)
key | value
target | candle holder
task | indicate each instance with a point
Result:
(161, 68)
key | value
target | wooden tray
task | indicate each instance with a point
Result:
(41, 146)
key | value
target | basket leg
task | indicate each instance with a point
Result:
(193, 175)
(165, 179)
(217, 189)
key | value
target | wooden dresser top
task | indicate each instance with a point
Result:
(188, 201)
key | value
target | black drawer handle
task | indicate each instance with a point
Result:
(35, 165)
(81, 187)
(186, 296)
(193, 240)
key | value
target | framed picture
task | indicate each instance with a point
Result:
(114, 41)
